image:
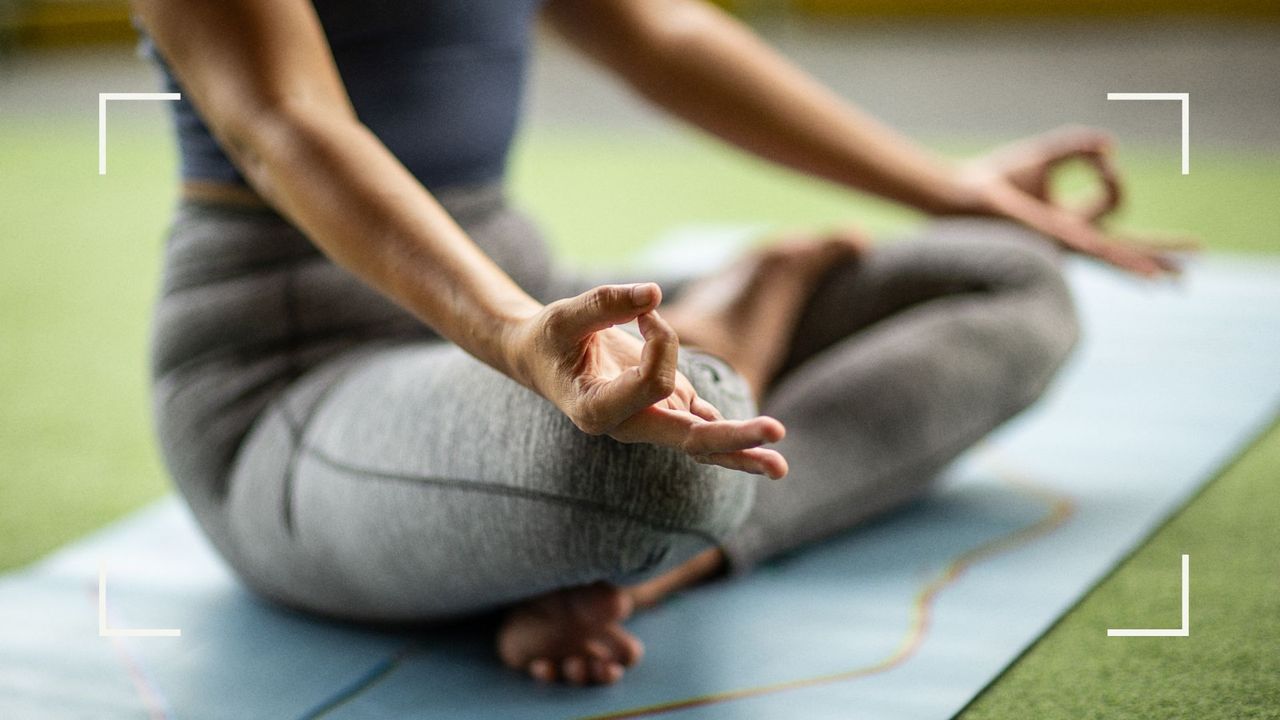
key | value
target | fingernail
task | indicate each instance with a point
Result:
(641, 295)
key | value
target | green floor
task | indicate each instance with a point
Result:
(1229, 666)
(79, 266)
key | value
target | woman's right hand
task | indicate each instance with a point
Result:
(608, 382)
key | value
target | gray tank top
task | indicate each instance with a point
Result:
(438, 81)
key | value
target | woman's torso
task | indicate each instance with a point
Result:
(440, 82)
(249, 306)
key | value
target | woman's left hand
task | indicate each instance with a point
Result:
(1014, 182)
(1029, 164)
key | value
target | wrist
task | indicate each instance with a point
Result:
(513, 349)
(965, 190)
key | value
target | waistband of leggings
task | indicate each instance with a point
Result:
(462, 202)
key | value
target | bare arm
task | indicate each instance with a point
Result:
(263, 77)
(702, 65)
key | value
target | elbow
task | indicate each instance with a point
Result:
(245, 141)
(256, 135)
(263, 137)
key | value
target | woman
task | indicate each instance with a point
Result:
(382, 404)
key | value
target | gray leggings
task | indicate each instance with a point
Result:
(348, 461)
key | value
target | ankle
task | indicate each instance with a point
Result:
(702, 567)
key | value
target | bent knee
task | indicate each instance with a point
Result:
(1031, 313)
(1027, 268)
(1051, 323)
(643, 505)
(651, 506)
(1045, 321)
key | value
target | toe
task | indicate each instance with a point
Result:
(627, 648)
(604, 672)
(542, 670)
(598, 649)
(574, 670)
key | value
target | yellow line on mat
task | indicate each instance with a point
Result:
(1060, 509)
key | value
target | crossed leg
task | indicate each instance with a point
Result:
(903, 360)
(884, 364)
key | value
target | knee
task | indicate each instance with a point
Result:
(1053, 326)
(1043, 310)
(649, 507)
(1029, 305)
(669, 516)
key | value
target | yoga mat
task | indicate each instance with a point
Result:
(907, 618)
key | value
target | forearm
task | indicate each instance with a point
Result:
(707, 68)
(343, 188)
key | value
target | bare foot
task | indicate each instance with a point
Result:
(746, 314)
(574, 635)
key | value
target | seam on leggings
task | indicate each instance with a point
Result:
(298, 431)
(292, 325)
(245, 396)
(492, 488)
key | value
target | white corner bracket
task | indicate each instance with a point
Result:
(1183, 631)
(102, 118)
(1185, 98)
(105, 631)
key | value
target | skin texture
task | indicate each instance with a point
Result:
(700, 64)
(264, 79)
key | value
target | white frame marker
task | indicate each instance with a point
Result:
(1185, 98)
(1185, 630)
(102, 118)
(105, 631)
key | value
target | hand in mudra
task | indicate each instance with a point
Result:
(608, 382)
(1014, 181)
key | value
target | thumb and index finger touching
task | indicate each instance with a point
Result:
(1078, 228)
(701, 431)
(606, 402)
(603, 307)
(1031, 163)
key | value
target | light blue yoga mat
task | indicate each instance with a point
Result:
(907, 618)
